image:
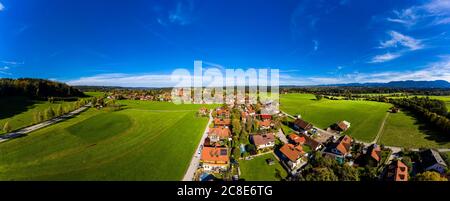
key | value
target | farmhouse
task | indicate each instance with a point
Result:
(397, 171)
(302, 125)
(219, 133)
(263, 141)
(292, 156)
(222, 122)
(432, 160)
(214, 159)
(341, 148)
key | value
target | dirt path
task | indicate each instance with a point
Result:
(380, 131)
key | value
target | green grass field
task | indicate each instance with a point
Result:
(144, 141)
(19, 111)
(365, 116)
(258, 170)
(404, 130)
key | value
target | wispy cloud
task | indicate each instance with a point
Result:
(316, 45)
(398, 42)
(4, 70)
(433, 12)
(181, 14)
(384, 57)
(439, 70)
(125, 80)
(2, 7)
(398, 39)
(13, 62)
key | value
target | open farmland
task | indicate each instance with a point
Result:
(365, 116)
(404, 130)
(144, 141)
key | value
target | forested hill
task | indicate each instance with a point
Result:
(36, 88)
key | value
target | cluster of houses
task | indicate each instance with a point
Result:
(294, 151)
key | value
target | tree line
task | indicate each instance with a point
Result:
(432, 111)
(352, 90)
(37, 88)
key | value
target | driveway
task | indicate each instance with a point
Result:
(195, 161)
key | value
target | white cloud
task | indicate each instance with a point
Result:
(2, 7)
(406, 17)
(125, 80)
(437, 7)
(384, 57)
(316, 45)
(439, 70)
(398, 39)
(435, 11)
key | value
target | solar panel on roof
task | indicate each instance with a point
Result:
(223, 152)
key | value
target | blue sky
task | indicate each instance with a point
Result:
(140, 42)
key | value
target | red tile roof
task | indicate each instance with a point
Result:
(265, 123)
(375, 152)
(293, 153)
(222, 122)
(266, 116)
(215, 155)
(297, 139)
(398, 171)
(344, 144)
(222, 132)
(263, 139)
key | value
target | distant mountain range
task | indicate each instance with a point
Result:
(399, 84)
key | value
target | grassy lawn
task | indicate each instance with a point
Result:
(365, 116)
(132, 144)
(19, 111)
(94, 93)
(402, 129)
(258, 170)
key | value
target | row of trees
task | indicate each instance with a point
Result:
(355, 91)
(52, 112)
(36, 88)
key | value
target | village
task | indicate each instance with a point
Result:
(243, 132)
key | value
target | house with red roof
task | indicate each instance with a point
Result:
(295, 139)
(214, 159)
(397, 171)
(222, 122)
(263, 141)
(265, 124)
(219, 133)
(340, 149)
(293, 156)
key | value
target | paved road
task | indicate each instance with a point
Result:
(195, 161)
(22, 132)
(281, 136)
